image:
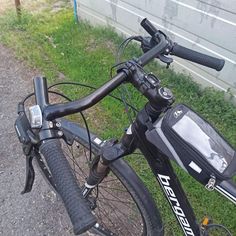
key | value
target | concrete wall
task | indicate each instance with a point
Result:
(208, 26)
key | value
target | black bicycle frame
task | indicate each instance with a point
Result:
(159, 163)
(162, 169)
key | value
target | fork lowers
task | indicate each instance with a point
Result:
(111, 151)
(97, 173)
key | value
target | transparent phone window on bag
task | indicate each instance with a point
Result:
(195, 131)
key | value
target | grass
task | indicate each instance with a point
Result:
(63, 50)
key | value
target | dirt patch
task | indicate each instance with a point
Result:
(35, 6)
(111, 46)
(6, 5)
(39, 212)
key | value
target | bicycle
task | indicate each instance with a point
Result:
(112, 200)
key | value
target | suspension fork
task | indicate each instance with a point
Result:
(111, 151)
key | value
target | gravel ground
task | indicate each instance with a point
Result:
(39, 212)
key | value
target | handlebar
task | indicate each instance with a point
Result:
(162, 46)
(59, 110)
(200, 58)
(185, 53)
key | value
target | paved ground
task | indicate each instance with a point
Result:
(38, 212)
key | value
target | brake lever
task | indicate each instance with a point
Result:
(30, 173)
(28, 139)
(166, 60)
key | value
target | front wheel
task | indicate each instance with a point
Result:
(121, 203)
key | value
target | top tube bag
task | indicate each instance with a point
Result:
(194, 144)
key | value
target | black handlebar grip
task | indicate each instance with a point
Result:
(81, 217)
(148, 26)
(200, 58)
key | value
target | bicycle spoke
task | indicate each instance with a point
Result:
(108, 199)
(114, 211)
(110, 180)
(113, 195)
(81, 173)
(88, 161)
(116, 189)
(113, 205)
(105, 213)
(75, 162)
